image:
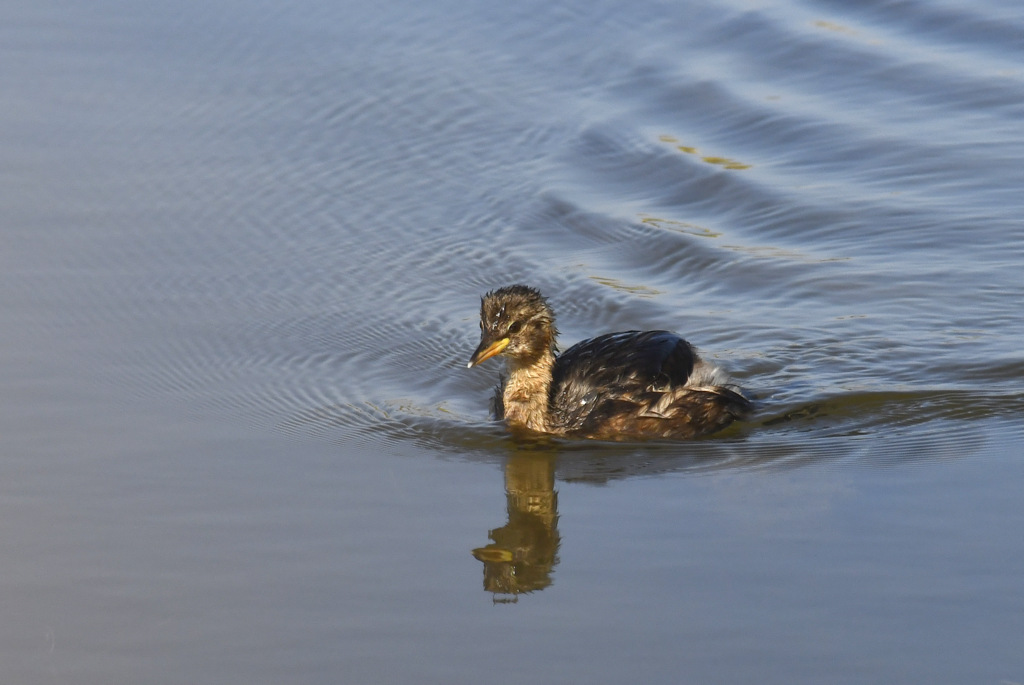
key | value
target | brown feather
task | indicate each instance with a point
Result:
(634, 384)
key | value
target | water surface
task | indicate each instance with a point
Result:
(242, 253)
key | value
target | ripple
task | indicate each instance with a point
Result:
(823, 199)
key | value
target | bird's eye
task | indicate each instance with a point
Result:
(514, 327)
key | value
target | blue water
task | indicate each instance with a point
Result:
(241, 253)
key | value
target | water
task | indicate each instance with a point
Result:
(242, 251)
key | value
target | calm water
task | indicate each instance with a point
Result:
(241, 252)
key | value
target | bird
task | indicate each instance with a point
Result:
(618, 386)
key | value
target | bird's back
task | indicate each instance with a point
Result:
(649, 383)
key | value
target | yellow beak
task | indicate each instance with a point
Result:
(485, 352)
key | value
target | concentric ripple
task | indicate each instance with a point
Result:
(827, 205)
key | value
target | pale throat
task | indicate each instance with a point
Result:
(526, 391)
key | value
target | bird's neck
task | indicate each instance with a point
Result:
(527, 390)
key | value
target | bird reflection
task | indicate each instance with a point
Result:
(524, 551)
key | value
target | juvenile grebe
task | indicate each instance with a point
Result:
(633, 384)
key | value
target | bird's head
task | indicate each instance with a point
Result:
(515, 321)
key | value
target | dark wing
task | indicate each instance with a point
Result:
(597, 374)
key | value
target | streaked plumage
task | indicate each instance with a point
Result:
(617, 386)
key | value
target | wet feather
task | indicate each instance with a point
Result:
(615, 386)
